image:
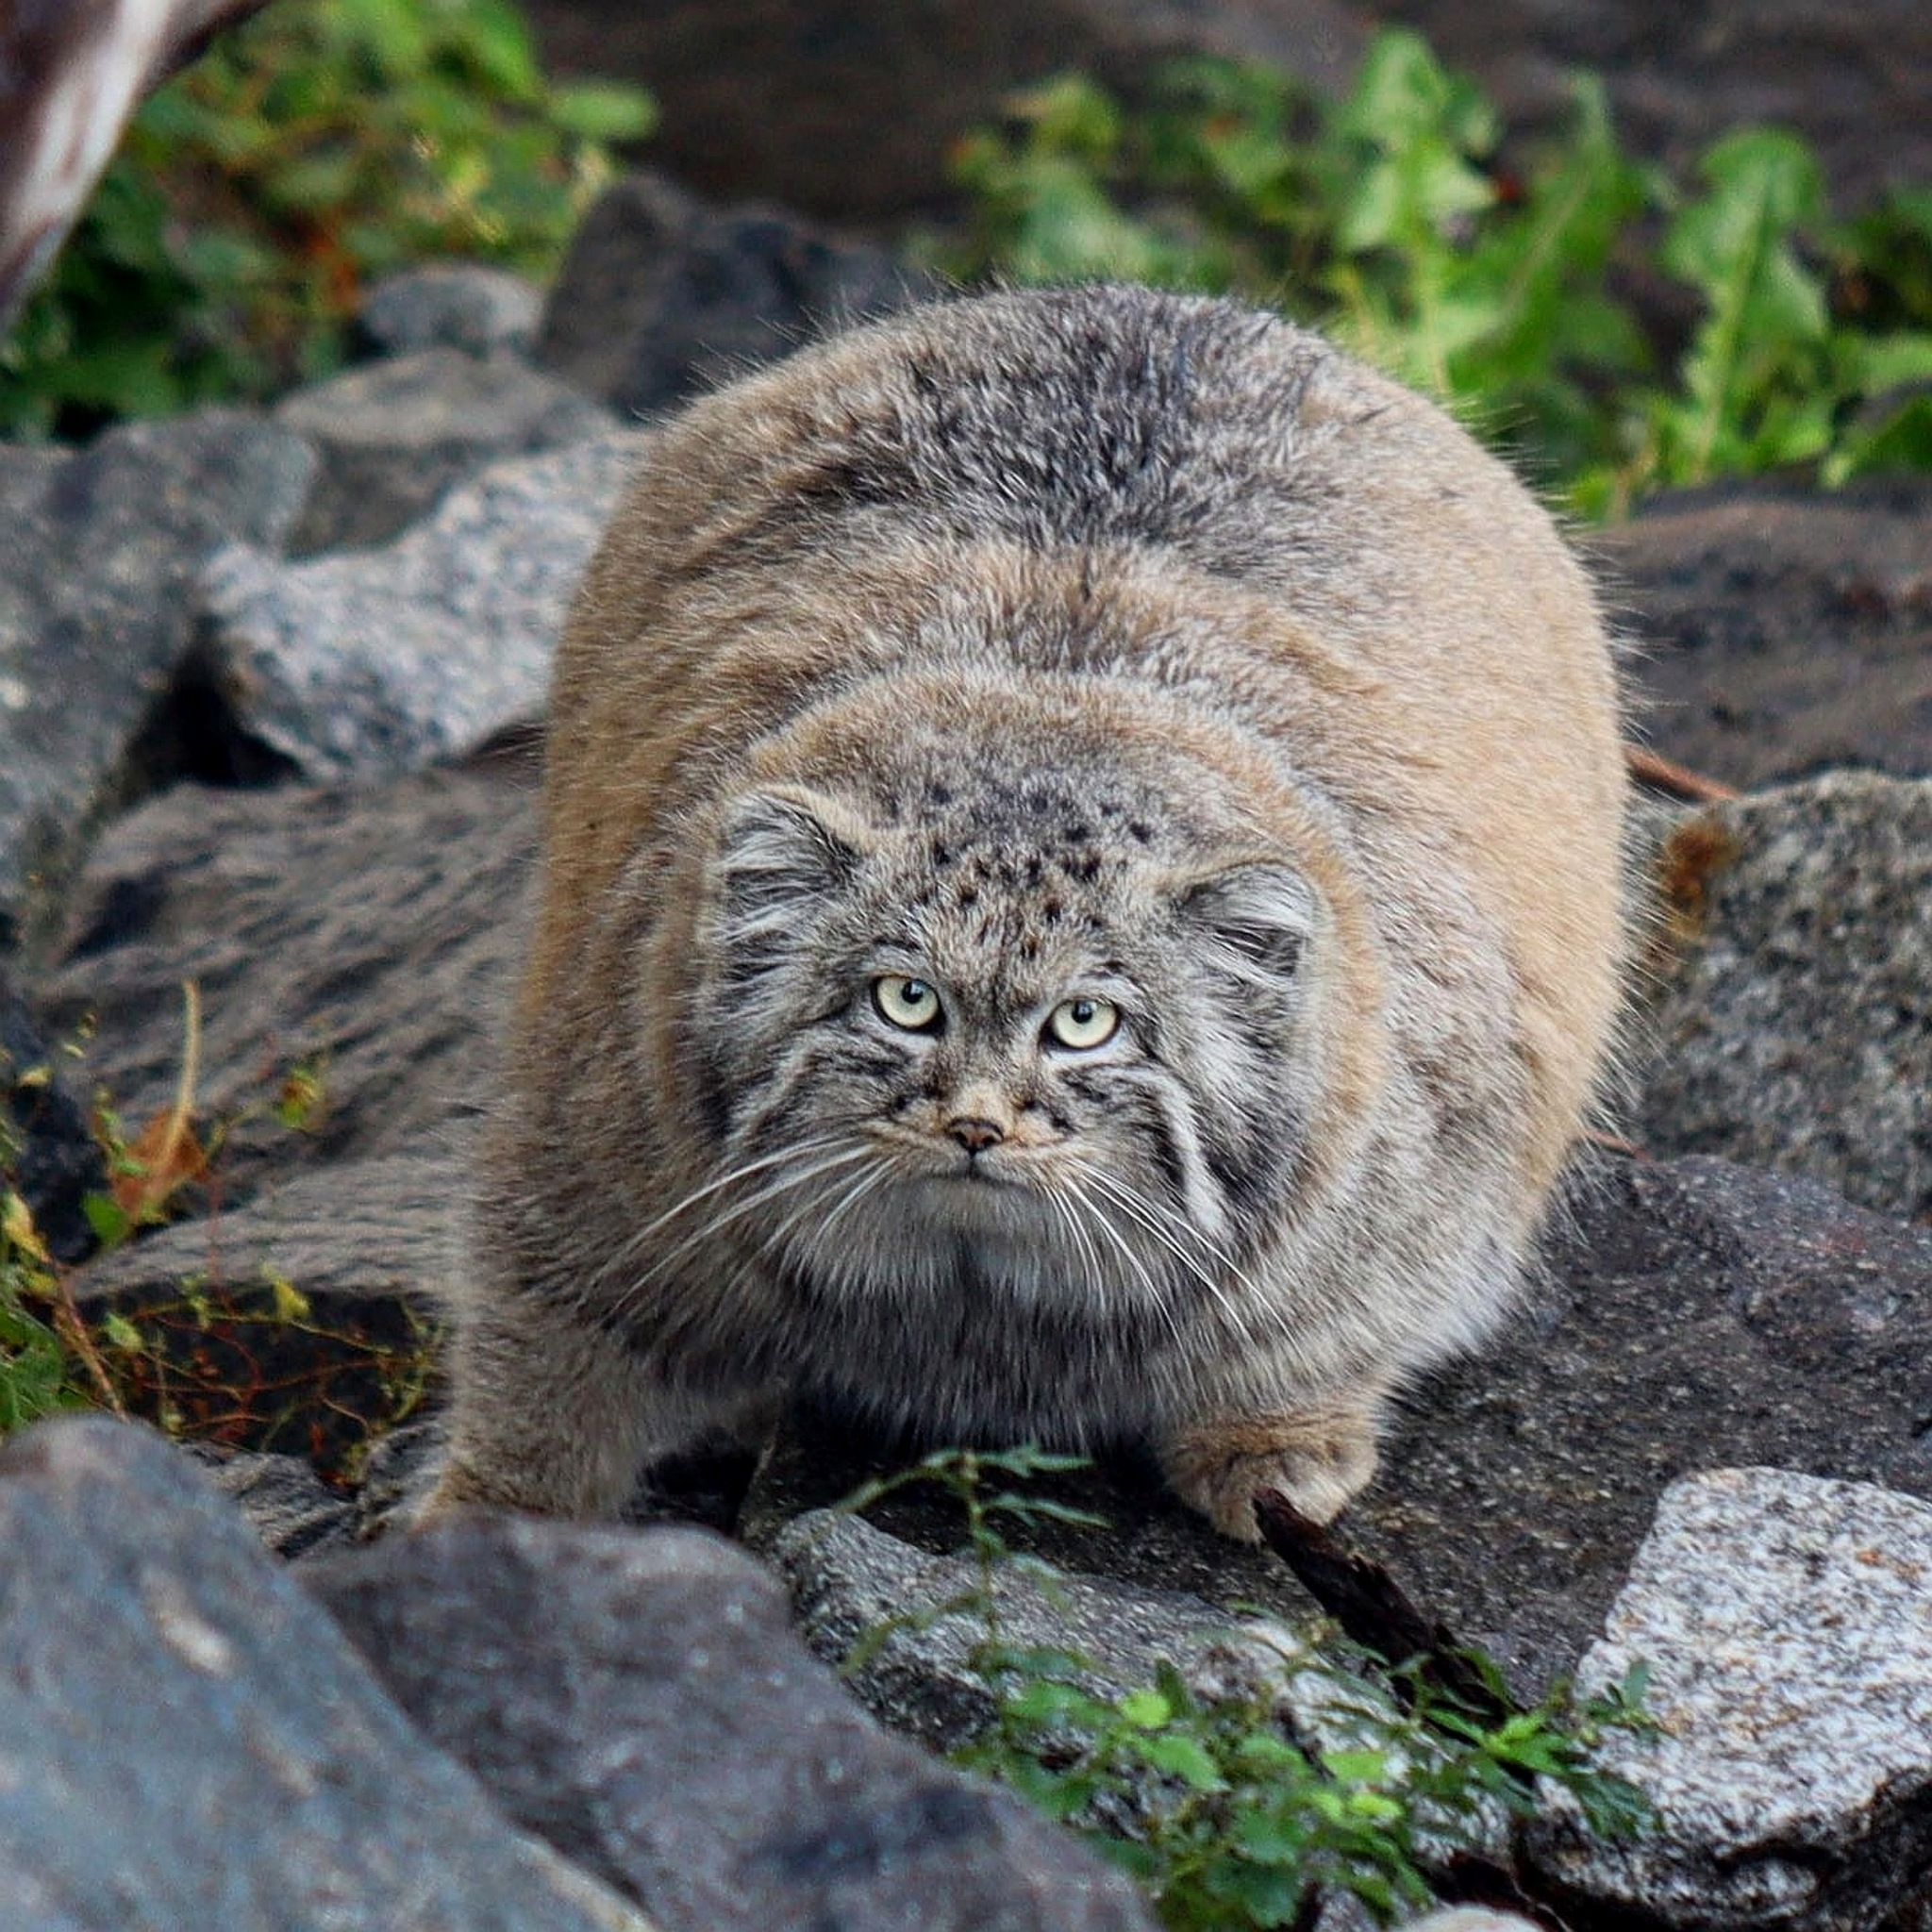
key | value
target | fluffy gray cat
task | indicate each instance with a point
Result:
(1080, 901)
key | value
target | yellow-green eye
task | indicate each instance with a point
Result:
(1083, 1022)
(909, 1002)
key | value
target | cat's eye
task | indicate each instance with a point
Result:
(1081, 1024)
(909, 1002)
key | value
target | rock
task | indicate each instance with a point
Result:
(1700, 1315)
(48, 1151)
(661, 295)
(95, 615)
(369, 934)
(1790, 1016)
(188, 1741)
(849, 1578)
(384, 661)
(638, 1698)
(847, 110)
(452, 305)
(1780, 630)
(1788, 1623)
(394, 436)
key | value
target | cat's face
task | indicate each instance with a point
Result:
(1026, 1034)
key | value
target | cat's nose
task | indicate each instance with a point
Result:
(975, 1134)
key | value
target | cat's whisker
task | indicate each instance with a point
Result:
(716, 1185)
(718, 1222)
(1155, 1296)
(1147, 1215)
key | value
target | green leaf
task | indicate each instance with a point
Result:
(603, 110)
(1182, 1757)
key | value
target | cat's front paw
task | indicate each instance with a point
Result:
(1318, 1459)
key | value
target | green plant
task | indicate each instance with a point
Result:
(1399, 220)
(1231, 1814)
(318, 145)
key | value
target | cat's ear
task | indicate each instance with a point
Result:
(1254, 917)
(782, 851)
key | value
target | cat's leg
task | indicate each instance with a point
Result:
(553, 1414)
(1317, 1457)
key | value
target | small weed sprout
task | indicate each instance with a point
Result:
(1229, 1814)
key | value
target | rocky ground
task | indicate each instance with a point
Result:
(270, 686)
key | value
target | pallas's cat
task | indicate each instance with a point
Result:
(1080, 901)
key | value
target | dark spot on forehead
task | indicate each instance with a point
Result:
(938, 793)
(1077, 834)
(969, 898)
(941, 853)
(1086, 868)
(1050, 910)
(1140, 831)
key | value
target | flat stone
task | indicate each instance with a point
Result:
(186, 1740)
(663, 295)
(397, 436)
(452, 305)
(384, 661)
(636, 1697)
(1788, 1012)
(1787, 1624)
(370, 932)
(95, 614)
(1780, 630)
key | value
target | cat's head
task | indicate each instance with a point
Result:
(1034, 1013)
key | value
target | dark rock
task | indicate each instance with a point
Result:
(94, 613)
(371, 933)
(1780, 630)
(847, 110)
(638, 1699)
(48, 1151)
(451, 305)
(1702, 1316)
(394, 436)
(662, 296)
(384, 661)
(1789, 1016)
(1788, 1626)
(188, 1742)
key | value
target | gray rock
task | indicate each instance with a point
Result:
(849, 1579)
(636, 1698)
(1780, 631)
(451, 305)
(94, 613)
(187, 1740)
(395, 437)
(1790, 1013)
(663, 295)
(384, 661)
(373, 933)
(1788, 1623)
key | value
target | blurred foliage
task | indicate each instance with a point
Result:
(225, 250)
(1522, 291)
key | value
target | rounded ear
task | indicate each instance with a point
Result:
(1255, 917)
(783, 850)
